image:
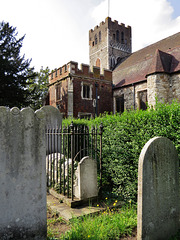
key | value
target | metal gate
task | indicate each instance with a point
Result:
(65, 148)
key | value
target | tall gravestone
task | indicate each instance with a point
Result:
(158, 190)
(22, 174)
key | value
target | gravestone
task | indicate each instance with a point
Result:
(86, 179)
(158, 190)
(53, 116)
(22, 174)
(53, 121)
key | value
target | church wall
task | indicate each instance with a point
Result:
(131, 95)
(62, 103)
(101, 91)
(175, 82)
(107, 42)
(73, 85)
(98, 49)
(163, 87)
(158, 86)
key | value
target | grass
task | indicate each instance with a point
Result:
(55, 225)
(110, 224)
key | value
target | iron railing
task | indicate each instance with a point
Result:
(65, 148)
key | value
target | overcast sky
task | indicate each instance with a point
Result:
(57, 30)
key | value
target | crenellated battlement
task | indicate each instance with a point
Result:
(95, 72)
(71, 69)
(107, 22)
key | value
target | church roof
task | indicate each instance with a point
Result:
(162, 56)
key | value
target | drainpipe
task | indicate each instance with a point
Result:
(96, 85)
(134, 104)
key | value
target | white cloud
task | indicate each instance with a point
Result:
(151, 20)
(57, 30)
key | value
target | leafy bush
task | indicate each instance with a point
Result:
(123, 139)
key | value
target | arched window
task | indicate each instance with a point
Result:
(95, 38)
(117, 36)
(118, 60)
(114, 37)
(99, 36)
(98, 62)
(122, 37)
(112, 63)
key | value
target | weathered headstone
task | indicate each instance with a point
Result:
(53, 117)
(22, 174)
(53, 121)
(158, 190)
(86, 182)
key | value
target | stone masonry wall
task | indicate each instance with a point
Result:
(158, 86)
(164, 87)
(128, 93)
(175, 81)
(104, 43)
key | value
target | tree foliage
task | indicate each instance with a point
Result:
(123, 139)
(14, 69)
(39, 88)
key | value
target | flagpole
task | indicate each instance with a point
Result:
(108, 8)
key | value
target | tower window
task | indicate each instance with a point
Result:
(117, 36)
(114, 37)
(60, 71)
(122, 37)
(95, 38)
(56, 73)
(98, 62)
(100, 36)
(112, 63)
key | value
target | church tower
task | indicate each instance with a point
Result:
(108, 44)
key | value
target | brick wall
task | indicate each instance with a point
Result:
(72, 80)
(104, 93)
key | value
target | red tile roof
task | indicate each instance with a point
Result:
(162, 56)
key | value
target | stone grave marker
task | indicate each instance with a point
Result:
(158, 190)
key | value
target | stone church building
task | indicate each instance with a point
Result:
(117, 79)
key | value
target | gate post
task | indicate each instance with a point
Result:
(72, 159)
(100, 133)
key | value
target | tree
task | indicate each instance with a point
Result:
(14, 69)
(39, 88)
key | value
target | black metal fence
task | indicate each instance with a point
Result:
(65, 148)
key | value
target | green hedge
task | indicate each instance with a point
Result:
(123, 139)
